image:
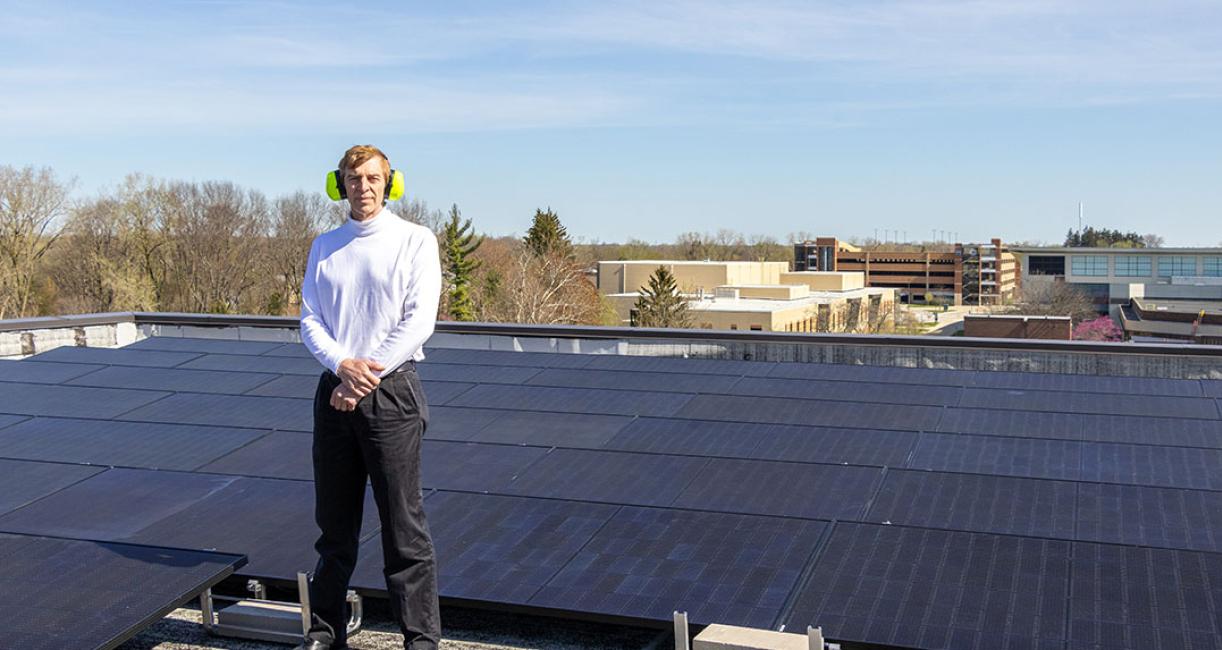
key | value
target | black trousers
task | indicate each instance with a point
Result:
(379, 440)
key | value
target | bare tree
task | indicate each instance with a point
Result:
(418, 212)
(110, 256)
(539, 289)
(32, 203)
(219, 231)
(1053, 298)
(295, 222)
(1151, 240)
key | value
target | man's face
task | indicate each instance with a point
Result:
(366, 186)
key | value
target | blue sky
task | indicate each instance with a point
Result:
(647, 119)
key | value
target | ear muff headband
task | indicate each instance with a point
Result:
(394, 186)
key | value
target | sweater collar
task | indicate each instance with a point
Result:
(369, 226)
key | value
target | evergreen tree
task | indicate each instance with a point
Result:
(660, 303)
(547, 236)
(458, 243)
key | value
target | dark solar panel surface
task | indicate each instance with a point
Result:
(72, 401)
(845, 390)
(229, 411)
(718, 567)
(1086, 383)
(497, 548)
(908, 506)
(614, 477)
(116, 589)
(811, 412)
(1068, 402)
(46, 372)
(774, 488)
(998, 504)
(127, 444)
(23, 482)
(115, 357)
(209, 346)
(174, 379)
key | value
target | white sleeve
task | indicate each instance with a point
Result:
(315, 333)
(419, 308)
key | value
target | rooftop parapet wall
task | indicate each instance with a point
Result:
(1174, 361)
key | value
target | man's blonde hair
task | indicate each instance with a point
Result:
(359, 155)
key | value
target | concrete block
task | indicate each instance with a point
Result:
(101, 336)
(50, 339)
(597, 346)
(127, 333)
(728, 637)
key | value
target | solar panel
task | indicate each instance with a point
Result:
(776, 488)
(1125, 597)
(24, 482)
(572, 400)
(209, 346)
(1149, 465)
(457, 423)
(496, 548)
(1150, 516)
(6, 420)
(859, 373)
(811, 412)
(271, 521)
(264, 363)
(691, 437)
(936, 589)
(296, 350)
(1069, 402)
(641, 363)
(474, 467)
(547, 429)
(229, 410)
(72, 401)
(667, 382)
(304, 387)
(994, 504)
(63, 593)
(1212, 387)
(508, 358)
(848, 391)
(1086, 383)
(833, 445)
(43, 372)
(720, 568)
(279, 454)
(1099, 428)
(614, 477)
(476, 373)
(115, 357)
(129, 444)
(1059, 459)
(175, 379)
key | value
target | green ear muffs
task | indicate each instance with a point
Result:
(394, 186)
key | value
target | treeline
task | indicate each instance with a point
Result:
(1090, 237)
(217, 247)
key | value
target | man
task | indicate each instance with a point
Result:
(368, 304)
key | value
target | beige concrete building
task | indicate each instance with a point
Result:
(756, 296)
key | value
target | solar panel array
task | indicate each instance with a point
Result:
(906, 507)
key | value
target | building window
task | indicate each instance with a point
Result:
(757, 328)
(1093, 265)
(1046, 265)
(1169, 265)
(733, 326)
(1212, 267)
(1133, 266)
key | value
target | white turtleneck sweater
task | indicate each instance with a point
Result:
(370, 292)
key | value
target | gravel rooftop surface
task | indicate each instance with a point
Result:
(462, 629)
